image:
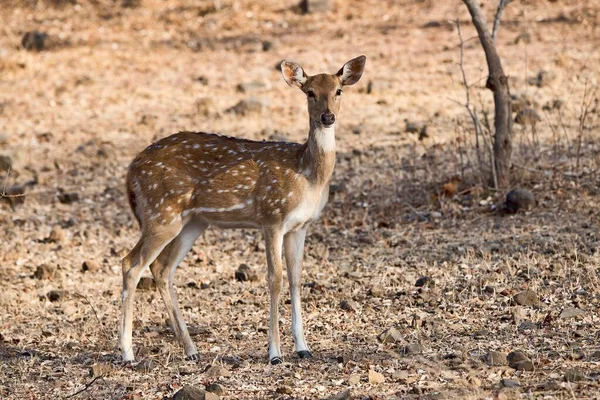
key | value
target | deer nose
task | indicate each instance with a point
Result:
(327, 119)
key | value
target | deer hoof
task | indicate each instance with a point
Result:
(276, 360)
(304, 354)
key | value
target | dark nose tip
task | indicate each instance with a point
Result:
(327, 119)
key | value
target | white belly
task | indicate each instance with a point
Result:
(309, 209)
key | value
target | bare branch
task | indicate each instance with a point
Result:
(501, 5)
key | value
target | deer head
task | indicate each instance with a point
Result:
(323, 91)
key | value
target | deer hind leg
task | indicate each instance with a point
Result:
(294, 251)
(274, 242)
(150, 245)
(163, 270)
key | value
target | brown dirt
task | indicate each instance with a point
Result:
(113, 79)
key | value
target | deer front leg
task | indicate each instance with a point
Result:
(274, 242)
(294, 252)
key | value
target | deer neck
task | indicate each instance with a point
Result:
(318, 158)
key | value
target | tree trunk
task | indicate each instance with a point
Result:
(497, 82)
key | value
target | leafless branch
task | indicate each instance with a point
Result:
(86, 387)
(501, 5)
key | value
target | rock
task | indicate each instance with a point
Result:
(528, 116)
(56, 295)
(246, 107)
(526, 298)
(543, 78)
(354, 379)
(495, 358)
(217, 371)
(90, 265)
(509, 383)
(190, 393)
(57, 235)
(515, 357)
(145, 365)
(391, 335)
(573, 375)
(44, 272)
(345, 395)
(268, 45)
(285, 389)
(481, 334)
(216, 389)
(414, 126)
(250, 87)
(549, 386)
(425, 281)
(525, 365)
(413, 348)
(146, 283)
(68, 198)
(210, 396)
(100, 369)
(349, 305)
(245, 274)
(204, 106)
(34, 40)
(375, 291)
(5, 163)
(312, 6)
(527, 326)
(375, 377)
(519, 199)
(571, 312)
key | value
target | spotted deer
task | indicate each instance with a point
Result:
(184, 183)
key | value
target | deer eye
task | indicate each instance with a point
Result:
(338, 92)
(311, 94)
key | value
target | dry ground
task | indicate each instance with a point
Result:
(113, 79)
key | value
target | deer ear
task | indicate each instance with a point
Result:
(293, 74)
(352, 71)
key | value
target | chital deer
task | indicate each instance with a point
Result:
(182, 184)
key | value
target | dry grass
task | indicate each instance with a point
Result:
(113, 79)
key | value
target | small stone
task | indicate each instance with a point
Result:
(34, 40)
(481, 334)
(571, 312)
(101, 369)
(245, 274)
(515, 357)
(5, 163)
(44, 272)
(146, 283)
(56, 295)
(189, 393)
(249, 106)
(528, 116)
(90, 266)
(573, 375)
(343, 359)
(526, 298)
(414, 126)
(495, 358)
(57, 235)
(527, 326)
(376, 291)
(348, 305)
(424, 281)
(413, 348)
(354, 379)
(375, 377)
(509, 383)
(216, 389)
(285, 389)
(549, 386)
(312, 6)
(391, 335)
(145, 365)
(344, 395)
(68, 198)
